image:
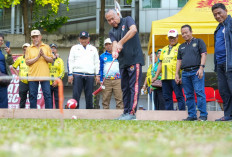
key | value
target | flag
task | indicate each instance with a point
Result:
(117, 8)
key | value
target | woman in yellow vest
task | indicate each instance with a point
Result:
(159, 101)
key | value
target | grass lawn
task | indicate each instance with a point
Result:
(39, 138)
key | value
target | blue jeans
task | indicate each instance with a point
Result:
(168, 86)
(192, 83)
(225, 88)
(33, 93)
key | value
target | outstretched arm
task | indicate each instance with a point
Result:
(130, 34)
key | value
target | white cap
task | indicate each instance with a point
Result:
(172, 33)
(107, 41)
(26, 44)
(35, 32)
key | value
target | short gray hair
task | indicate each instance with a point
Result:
(109, 10)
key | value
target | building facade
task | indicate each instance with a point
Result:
(85, 14)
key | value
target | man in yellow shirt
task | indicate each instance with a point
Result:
(37, 57)
(23, 72)
(167, 65)
(57, 71)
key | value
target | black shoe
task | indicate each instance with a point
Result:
(203, 118)
(224, 119)
(190, 119)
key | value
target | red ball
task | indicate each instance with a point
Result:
(71, 103)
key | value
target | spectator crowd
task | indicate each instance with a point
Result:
(177, 68)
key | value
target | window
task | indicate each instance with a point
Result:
(181, 3)
(151, 3)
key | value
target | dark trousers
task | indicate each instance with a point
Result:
(130, 84)
(168, 86)
(86, 82)
(159, 101)
(23, 89)
(225, 88)
(3, 97)
(33, 93)
(54, 90)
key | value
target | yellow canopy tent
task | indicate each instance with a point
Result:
(196, 13)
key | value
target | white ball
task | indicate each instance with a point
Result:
(74, 117)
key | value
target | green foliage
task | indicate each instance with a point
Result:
(50, 25)
(43, 137)
(8, 3)
(128, 1)
(54, 3)
(50, 22)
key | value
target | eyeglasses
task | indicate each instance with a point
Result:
(1, 40)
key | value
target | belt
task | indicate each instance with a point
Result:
(84, 74)
(191, 68)
(111, 78)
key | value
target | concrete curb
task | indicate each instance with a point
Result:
(100, 114)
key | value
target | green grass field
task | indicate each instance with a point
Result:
(37, 137)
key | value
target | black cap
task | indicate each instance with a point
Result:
(84, 34)
(53, 45)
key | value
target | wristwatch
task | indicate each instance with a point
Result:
(202, 66)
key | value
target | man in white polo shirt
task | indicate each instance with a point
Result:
(83, 67)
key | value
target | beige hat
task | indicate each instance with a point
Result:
(107, 41)
(35, 32)
(26, 44)
(172, 33)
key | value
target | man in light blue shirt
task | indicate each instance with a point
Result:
(112, 82)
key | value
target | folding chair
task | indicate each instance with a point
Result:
(210, 95)
(219, 99)
(175, 99)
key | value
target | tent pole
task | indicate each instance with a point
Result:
(148, 96)
(153, 63)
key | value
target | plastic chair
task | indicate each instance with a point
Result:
(210, 95)
(174, 97)
(219, 99)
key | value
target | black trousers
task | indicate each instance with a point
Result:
(225, 88)
(54, 90)
(3, 97)
(158, 99)
(130, 83)
(23, 90)
(86, 82)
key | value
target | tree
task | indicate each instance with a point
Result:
(102, 29)
(54, 4)
(49, 23)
